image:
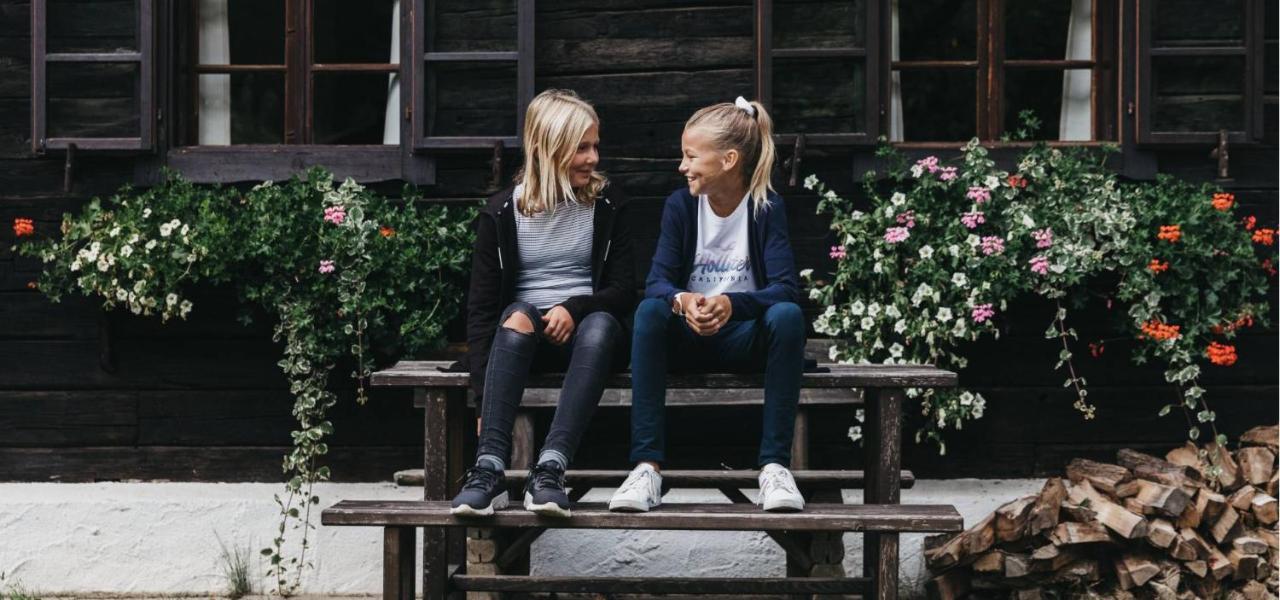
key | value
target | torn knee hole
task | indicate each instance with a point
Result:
(520, 322)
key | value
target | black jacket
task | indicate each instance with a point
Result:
(495, 262)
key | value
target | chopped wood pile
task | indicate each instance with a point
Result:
(1145, 527)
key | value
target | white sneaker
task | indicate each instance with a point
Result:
(778, 491)
(640, 492)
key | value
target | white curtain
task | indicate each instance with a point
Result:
(215, 90)
(391, 121)
(895, 81)
(1076, 121)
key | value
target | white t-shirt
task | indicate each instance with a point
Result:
(722, 262)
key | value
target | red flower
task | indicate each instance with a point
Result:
(1170, 233)
(1017, 181)
(31, 285)
(1249, 222)
(1268, 267)
(1157, 267)
(1223, 201)
(1221, 354)
(1265, 236)
(1096, 349)
(23, 227)
(1159, 331)
(387, 231)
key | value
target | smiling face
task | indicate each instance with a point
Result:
(706, 168)
(585, 158)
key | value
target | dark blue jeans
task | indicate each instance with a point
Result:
(774, 343)
(586, 360)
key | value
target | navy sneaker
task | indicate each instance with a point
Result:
(544, 492)
(481, 494)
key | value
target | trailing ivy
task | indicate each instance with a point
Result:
(336, 266)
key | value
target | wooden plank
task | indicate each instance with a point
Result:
(883, 466)
(428, 374)
(398, 548)
(681, 478)
(621, 397)
(667, 585)
(700, 517)
(435, 464)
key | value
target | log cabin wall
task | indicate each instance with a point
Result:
(87, 396)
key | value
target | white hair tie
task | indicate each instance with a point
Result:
(744, 105)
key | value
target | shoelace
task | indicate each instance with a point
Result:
(641, 481)
(477, 478)
(543, 477)
(776, 479)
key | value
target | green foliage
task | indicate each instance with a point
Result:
(10, 589)
(945, 248)
(236, 569)
(337, 266)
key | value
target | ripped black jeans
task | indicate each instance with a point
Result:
(586, 360)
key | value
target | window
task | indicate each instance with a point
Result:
(966, 68)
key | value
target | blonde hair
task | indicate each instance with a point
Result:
(732, 127)
(553, 127)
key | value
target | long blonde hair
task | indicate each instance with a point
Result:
(553, 127)
(732, 127)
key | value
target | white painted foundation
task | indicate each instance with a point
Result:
(142, 539)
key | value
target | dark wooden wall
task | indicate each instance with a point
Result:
(86, 396)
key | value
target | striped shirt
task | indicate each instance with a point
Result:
(555, 253)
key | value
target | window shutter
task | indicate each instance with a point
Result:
(1199, 71)
(446, 116)
(818, 69)
(91, 75)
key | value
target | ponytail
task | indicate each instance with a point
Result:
(745, 127)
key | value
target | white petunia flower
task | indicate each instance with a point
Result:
(891, 311)
(992, 182)
(973, 241)
(874, 309)
(900, 326)
(953, 250)
(806, 273)
(959, 279)
(857, 308)
(867, 323)
(171, 299)
(944, 314)
(898, 199)
(896, 350)
(926, 252)
(165, 229)
(126, 251)
(146, 212)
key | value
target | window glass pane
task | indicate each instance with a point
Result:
(241, 108)
(937, 29)
(1198, 93)
(1039, 29)
(472, 25)
(1043, 93)
(472, 99)
(1193, 22)
(92, 26)
(819, 24)
(93, 100)
(256, 30)
(351, 108)
(1272, 66)
(938, 105)
(353, 32)
(819, 96)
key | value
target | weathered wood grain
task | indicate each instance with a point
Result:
(751, 586)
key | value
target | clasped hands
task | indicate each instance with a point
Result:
(705, 314)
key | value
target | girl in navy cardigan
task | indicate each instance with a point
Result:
(721, 295)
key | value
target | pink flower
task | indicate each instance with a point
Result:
(992, 245)
(948, 173)
(982, 312)
(326, 266)
(335, 214)
(907, 218)
(929, 163)
(973, 219)
(1040, 264)
(979, 194)
(837, 252)
(1044, 237)
(894, 235)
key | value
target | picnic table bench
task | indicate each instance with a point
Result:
(485, 557)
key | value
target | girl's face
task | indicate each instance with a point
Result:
(585, 158)
(707, 169)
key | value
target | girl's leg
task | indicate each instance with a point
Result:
(590, 361)
(783, 345)
(514, 347)
(649, 380)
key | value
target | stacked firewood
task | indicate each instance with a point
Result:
(1145, 527)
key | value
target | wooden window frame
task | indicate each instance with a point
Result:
(1251, 47)
(144, 57)
(990, 66)
(875, 83)
(256, 162)
(423, 109)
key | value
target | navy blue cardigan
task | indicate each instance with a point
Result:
(773, 265)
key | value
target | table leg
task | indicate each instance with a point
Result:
(435, 483)
(883, 445)
(397, 563)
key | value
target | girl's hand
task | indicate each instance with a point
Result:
(715, 312)
(557, 325)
